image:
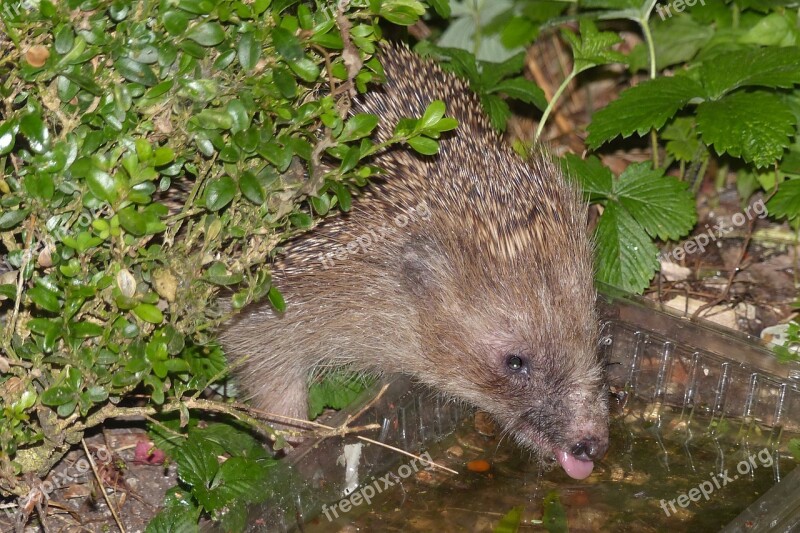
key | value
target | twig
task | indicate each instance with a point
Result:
(102, 487)
(371, 441)
(736, 267)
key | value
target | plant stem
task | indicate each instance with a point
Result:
(552, 103)
(651, 50)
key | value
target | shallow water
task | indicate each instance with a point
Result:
(659, 461)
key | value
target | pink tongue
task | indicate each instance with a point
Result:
(574, 468)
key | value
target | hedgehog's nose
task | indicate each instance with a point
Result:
(590, 449)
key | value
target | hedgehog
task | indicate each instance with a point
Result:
(470, 271)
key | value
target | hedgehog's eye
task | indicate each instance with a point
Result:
(515, 363)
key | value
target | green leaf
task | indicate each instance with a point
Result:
(424, 145)
(85, 330)
(251, 188)
(677, 40)
(58, 395)
(776, 29)
(511, 522)
(207, 34)
(433, 114)
(219, 192)
(683, 142)
(554, 517)
(592, 48)
(663, 205)
(149, 313)
(197, 467)
(786, 202)
(33, 127)
(497, 109)
(595, 179)
(765, 67)
(8, 132)
(11, 218)
(44, 298)
(276, 299)
(641, 108)
(522, 89)
(358, 126)
(756, 126)
(287, 44)
(336, 390)
(136, 72)
(305, 68)
(248, 51)
(132, 221)
(626, 258)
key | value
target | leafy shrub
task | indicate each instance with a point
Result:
(152, 155)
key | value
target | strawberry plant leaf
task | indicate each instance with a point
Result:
(765, 67)
(676, 40)
(592, 47)
(521, 89)
(662, 205)
(641, 108)
(626, 257)
(755, 126)
(682, 140)
(786, 202)
(595, 179)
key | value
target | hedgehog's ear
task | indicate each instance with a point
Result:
(420, 262)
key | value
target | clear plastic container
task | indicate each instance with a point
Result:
(668, 360)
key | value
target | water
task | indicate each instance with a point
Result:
(659, 461)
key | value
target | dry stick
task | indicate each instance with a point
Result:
(102, 487)
(343, 429)
(735, 270)
(562, 123)
(371, 441)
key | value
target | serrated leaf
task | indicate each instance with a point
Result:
(755, 126)
(497, 109)
(595, 179)
(197, 467)
(641, 108)
(663, 205)
(592, 47)
(626, 258)
(522, 89)
(240, 479)
(786, 202)
(765, 67)
(683, 142)
(676, 40)
(335, 390)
